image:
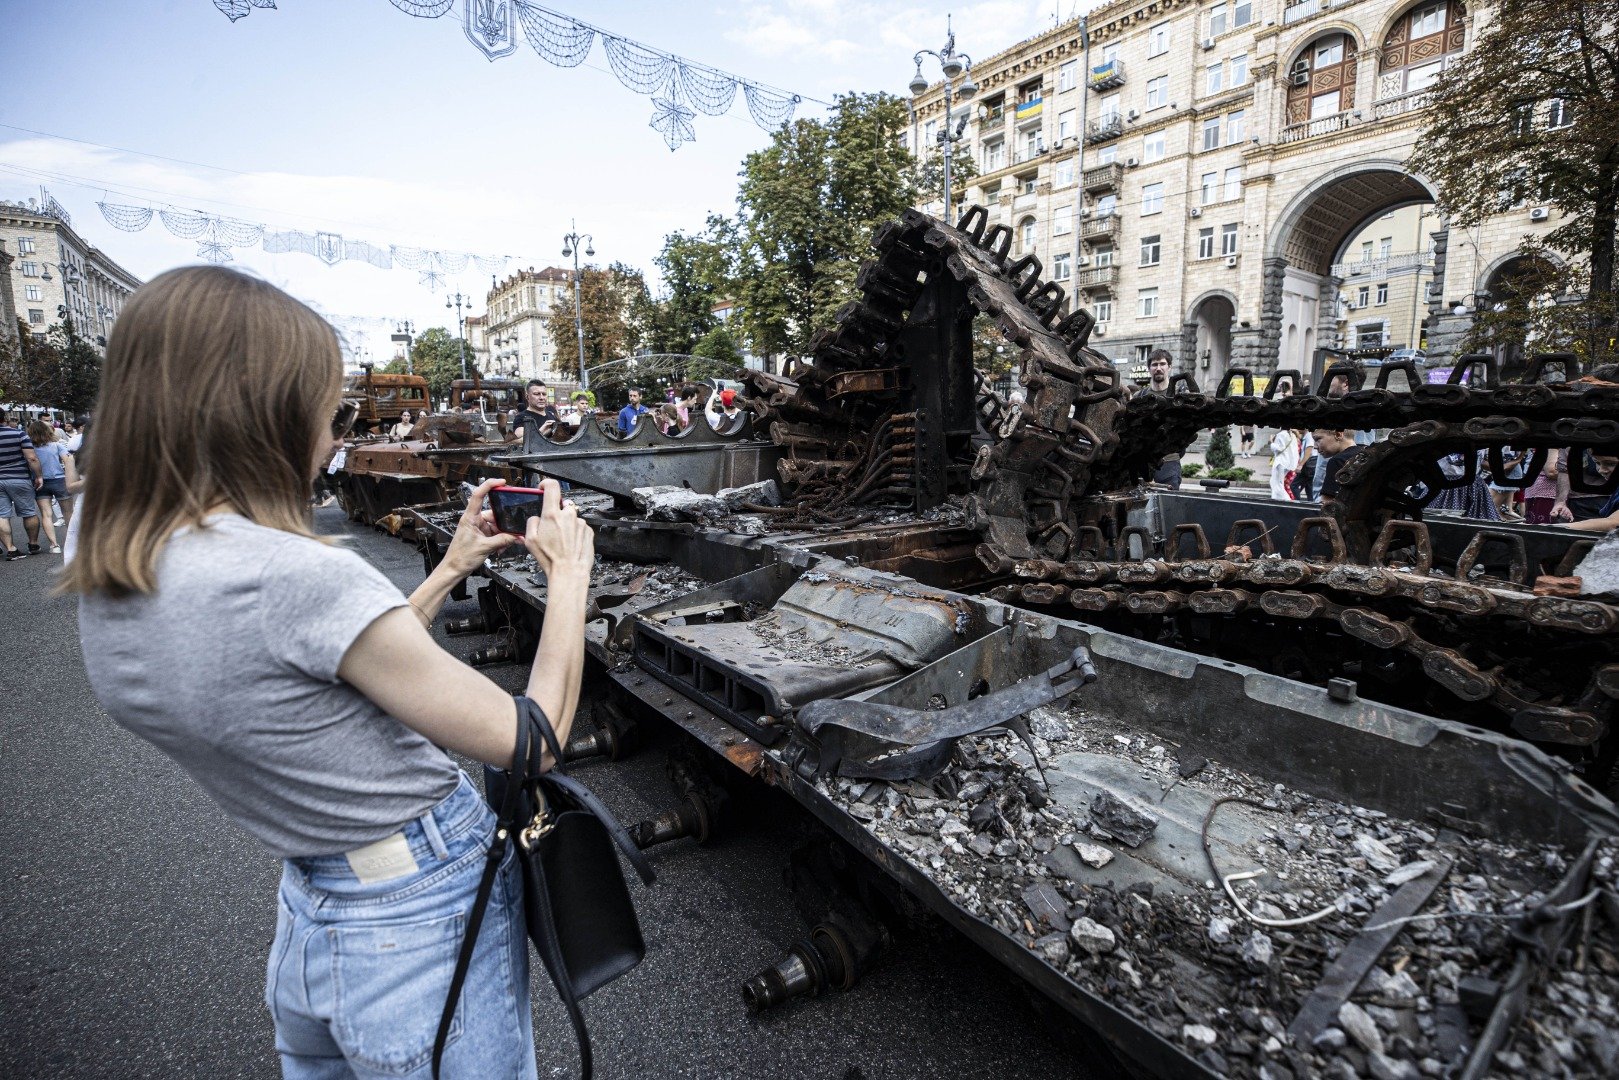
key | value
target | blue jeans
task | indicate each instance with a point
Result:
(358, 972)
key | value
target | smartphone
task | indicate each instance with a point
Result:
(513, 506)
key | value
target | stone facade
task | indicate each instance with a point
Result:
(1205, 168)
(55, 271)
(516, 330)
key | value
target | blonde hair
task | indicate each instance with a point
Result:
(216, 391)
(41, 434)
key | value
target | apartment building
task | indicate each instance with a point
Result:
(516, 327)
(1205, 174)
(56, 273)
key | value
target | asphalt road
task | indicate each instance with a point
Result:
(135, 921)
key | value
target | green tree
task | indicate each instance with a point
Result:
(718, 344)
(1219, 454)
(436, 357)
(927, 173)
(1532, 112)
(696, 272)
(61, 370)
(613, 306)
(807, 206)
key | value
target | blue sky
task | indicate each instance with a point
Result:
(353, 117)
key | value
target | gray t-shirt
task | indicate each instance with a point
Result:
(230, 668)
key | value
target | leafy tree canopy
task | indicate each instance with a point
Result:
(60, 370)
(1531, 112)
(614, 306)
(436, 357)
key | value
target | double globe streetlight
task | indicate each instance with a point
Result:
(954, 65)
(571, 242)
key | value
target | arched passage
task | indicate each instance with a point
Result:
(1300, 309)
(1206, 339)
(1510, 287)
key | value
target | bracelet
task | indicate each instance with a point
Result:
(427, 620)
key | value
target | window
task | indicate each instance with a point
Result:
(1242, 13)
(1557, 114)
(1061, 266)
(1217, 17)
(1152, 148)
(1142, 352)
(1033, 144)
(1026, 184)
(1062, 221)
(1205, 243)
(1152, 199)
(1385, 247)
(1065, 124)
(1364, 296)
(1146, 304)
(1210, 188)
(1158, 91)
(1151, 250)
(36, 316)
(1211, 133)
(994, 155)
(1108, 154)
(1103, 309)
(1104, 254)
(1110, 53)
(1239, 70)
(1063, 174)
(1420, 78)
(1365, 251)
(1233, 183)
(1323, 105)
(1428, 19)
(1066, 75)
(1214, 78)
(1329, 52)
(904, 141)
(25, 245)
(1110, 109)
(1369, 335)
(929, 131)
(1228, 239)
(1383, 292)
(1026, 235)
(34, 292)
(1523, 120)
(1107, 206)
(29, 269)
(1236, 126)
(1158, 40)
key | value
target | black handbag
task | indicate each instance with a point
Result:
(577, 906)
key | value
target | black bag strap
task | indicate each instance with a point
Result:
(586, 798)
(504, 825)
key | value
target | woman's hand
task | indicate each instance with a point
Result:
(1561, 512)
(560, 542)
(476, 537)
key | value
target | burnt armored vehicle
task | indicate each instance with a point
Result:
(1248, 788)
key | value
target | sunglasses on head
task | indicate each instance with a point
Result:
(343, 419)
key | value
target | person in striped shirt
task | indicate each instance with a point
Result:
(20, 479)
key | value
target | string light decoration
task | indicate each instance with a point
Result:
(216, 236)
(679, 88)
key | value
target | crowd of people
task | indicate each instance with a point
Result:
(39, 477)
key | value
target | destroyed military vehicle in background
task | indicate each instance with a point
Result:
(1248, 788)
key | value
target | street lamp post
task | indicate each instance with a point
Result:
(460, 326)
(407, 330)
(571, 241)
(953, 64)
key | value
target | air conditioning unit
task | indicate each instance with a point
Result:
(1301, 78)
(1083, 260)
(1099, 330)
(1195, 212)
(1208, 43)
(1539, 213)
(1132, 115)
(1130, 163)
(1231, 260)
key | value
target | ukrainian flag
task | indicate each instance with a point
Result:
(1028, 110)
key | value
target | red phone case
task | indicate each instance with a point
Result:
(493, 492)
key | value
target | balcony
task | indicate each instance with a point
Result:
(1103, 178)
(1099, 227)
(1385, 266)
(1097, 277)
(1295, 10)
(1104, 128)
(1025, 200)
(1107, 76)
(1028, 153)
(994, 115)
(1399, 106)
(1320, 125)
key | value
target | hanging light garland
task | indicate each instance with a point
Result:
(679, 88)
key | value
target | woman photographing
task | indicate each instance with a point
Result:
(318, 727)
